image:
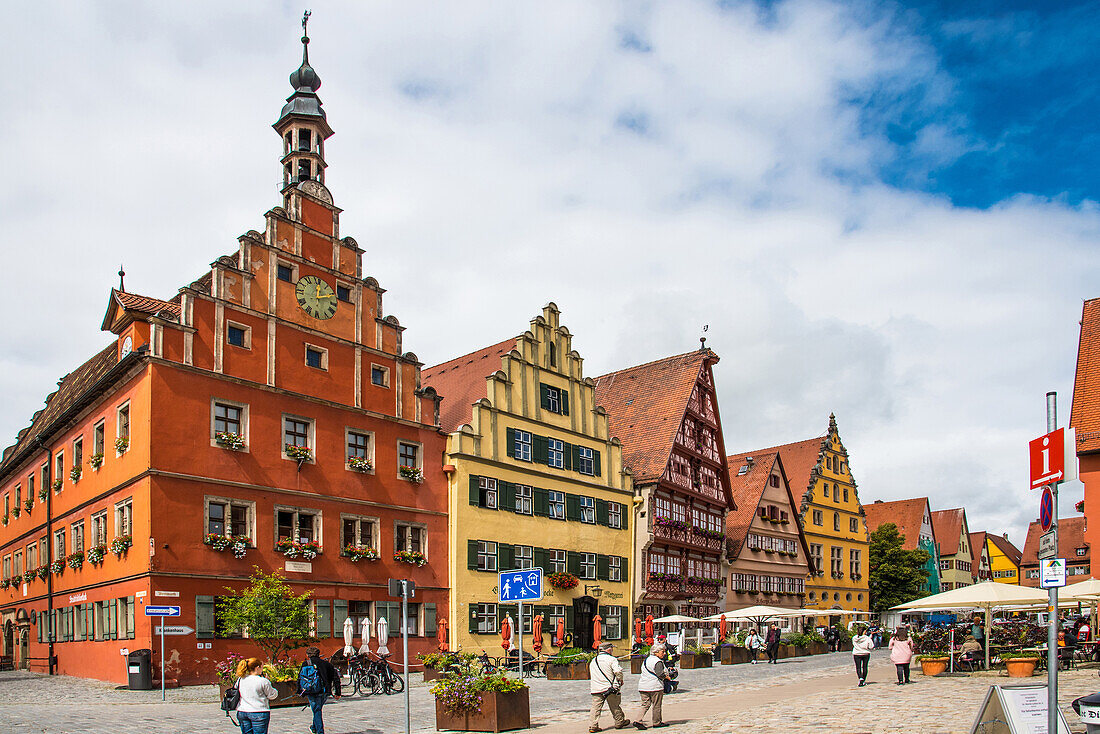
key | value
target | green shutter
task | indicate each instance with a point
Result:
(505, 609)
(324, 628)
(506, 496)
(540, 501)
(569, 618)
(510, 437)
(596, 463)
(475, 491)
(602, 566)
(565, 402)
(339, 615)
(540, 558)
(625, 572)
(204, 617)
(429, 620)
(471, 554)
(572, 507)
(541, 450)
(601, 511)
(575, 457)
(544, 395)
(573, 562)
(473, 619)
(505, 557)
(567, 456)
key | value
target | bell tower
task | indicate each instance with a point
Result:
(302, 124)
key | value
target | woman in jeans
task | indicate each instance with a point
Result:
(254, 710)
(862, 645)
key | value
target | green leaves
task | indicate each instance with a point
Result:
(276, 620)
(896, 575)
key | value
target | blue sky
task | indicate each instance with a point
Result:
(882, 211)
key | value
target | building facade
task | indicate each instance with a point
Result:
(536, 479)
(956, 556)
(1085, 418)
(980, 552)
(666, 414)
(265, 416)
(766, 558)
(1072, 546)
(913, 518)
(1004, 559)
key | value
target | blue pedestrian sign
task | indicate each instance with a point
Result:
(521, 585)
(162, 611)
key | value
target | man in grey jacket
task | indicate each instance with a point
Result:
(605, 684)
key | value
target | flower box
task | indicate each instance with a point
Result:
(121, 444)
(301, 454)
(75, 560)
(359, 464)
(562, 580)
(431, 674)
(294, 549)
(121, 544)
(818, 648)
(57, 567)
(356, 553)
(28, 504)
(75, 473)
(43, 572)
(15, 511)
(735, 654)
(96, 461)
(287, 690)
(499, 712)
(411, 473)
(567, 671)
(230, 440)
(414, 558)
(96, 554)
(693, 660)
(56, 484)
(43, 492)
(237, 544)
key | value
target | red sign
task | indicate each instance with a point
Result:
(1047, 458)
(1046, 509)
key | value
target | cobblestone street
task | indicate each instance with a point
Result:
(815, 693)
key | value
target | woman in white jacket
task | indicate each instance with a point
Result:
(755, 643)
(862, 645)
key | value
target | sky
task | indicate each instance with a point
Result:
(886, 211)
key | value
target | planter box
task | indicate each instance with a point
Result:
(846, 646)
(785, 651)
(732, 655)
(431, 674)
(569, 671)
(636, 665)
(818, 648)
(933, 666)
(797, 651)
(691, 661)
(287, 691)
(1021, 667)
(499, 712)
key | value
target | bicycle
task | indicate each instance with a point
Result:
(388, 681)
(364, 679)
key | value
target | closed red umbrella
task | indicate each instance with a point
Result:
(649, 629)
(506, 633)
(722, 628)
(559, 639)
(441, 634)
(597, 630)
(638, 630)
(536, 633)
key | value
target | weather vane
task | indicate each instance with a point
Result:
(305, 20)
(703, 339)
(121, 278)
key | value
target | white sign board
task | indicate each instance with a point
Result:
(1015, 710)
(1070, 462)
(169, 629)
(1052, 572)
(299, 566)
(1048, 548)
(166, 593)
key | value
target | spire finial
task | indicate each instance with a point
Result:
(703, 339)
(121, 278)
(305, 36)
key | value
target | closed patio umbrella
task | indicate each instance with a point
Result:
(597, 631)
(536, 633)
(559, 639)
(507, 629)
(383, 636)
(441, 633)
(365, 634)
(649, 629)
(349, 635)
(638, 630)
(722, 628)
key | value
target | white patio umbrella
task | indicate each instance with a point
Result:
(677, 619)
(349, 635)
(984, 596)
(1088, 590)
(383, 636)
(365, 634)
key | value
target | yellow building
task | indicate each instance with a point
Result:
(1004, 559)
(536, 479)
(832, 521)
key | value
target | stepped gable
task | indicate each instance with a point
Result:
(908, 515)
(948, 524)
(1010, 550)
(1085, 411)
(70, 388)
(645, 406)
(747, 489)
(461, 382)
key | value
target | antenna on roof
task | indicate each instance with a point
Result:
(703, 339)
(121, 278)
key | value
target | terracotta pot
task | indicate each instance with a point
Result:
(287, 690)
(733, 654)
(1021, 667)
(568, 671)
(933, 666)
(499, 712)
(691, 661)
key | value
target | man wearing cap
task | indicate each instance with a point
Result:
(605, 684)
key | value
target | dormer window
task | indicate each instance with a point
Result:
(305, 139)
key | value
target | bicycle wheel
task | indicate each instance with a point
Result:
(375, 682)
(362, 685)
(393, 683)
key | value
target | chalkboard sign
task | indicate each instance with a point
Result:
(1015, 710)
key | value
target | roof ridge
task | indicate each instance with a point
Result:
(653, 362)
(472, 352)
(779, 447)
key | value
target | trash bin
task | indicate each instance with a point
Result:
(139, 669)
(1088, 708)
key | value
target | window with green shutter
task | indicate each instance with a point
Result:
(541, 559)
(602, 567)
(504, 557)
(544, 396)
(510, 442)
(471, 554)
(429, 620)
(601, 512)
(473, 619)
(572, 507)
(542, 450)
(573, 562)
(324, 628)
(475, 490)
(339, 614)
(204, 617)
(565, 402)
(506, 496)
(540, 499)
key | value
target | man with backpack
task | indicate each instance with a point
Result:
(317, 678)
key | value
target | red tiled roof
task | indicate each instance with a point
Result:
(908, 515)
(948, 526)
(799, 458)
(70, 388)
(747, 489)
(1085, 410)
(1071, 536)
(138, 304)
(645, 406)
(461, 382)
(1006, 546)
(977, 545)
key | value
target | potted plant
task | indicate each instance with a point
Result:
(359, 464)
(301, 454)
(414, 558)
(1021, 664)
(75, 473)
(57, 567)
(437, 664)
(29, 576)
(569, 664)
(236, 543)
(43, 572)
(120, 544)
(56, 484)
(796, 644)
(121, 444)
(933, 663)
(230, 440)
(637, 658)
(96, 554)
(696, 657)
(734, 653)
(75, 560)
(4, 583)
(28, 504)
(95, 461)
(466, 700)
(411, 473)
(356, 553)
(562, 580)
(15, 511)
(293, 549)
(43, 492)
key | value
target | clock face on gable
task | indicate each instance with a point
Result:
(316, 297)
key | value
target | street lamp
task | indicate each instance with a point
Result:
(594, 588)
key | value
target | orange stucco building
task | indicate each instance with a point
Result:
(265, 416)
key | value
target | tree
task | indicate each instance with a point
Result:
(896, 575)
(276, 620)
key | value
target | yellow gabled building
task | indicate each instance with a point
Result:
(535, 479)
(1004, 559)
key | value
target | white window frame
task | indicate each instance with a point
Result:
(486, 615)
(99, 438)
(311, 435)
(243, 407)
(98, 523)
(487, 555)
(553, 399)
(555, 453)
(522, 556)
(230, 502)
(419, 456)
(247, 343)
(124, 408)
(487, 487)
(552, 505)
(385, 375)
(348, 430)
(316, 348)
(556, 565)
(401, 529)
(614, 568)
(615, 515)
(525, 501)
(523, 445)
(588, 509)
(586, 461)
(318, 523)
(124, 517)
(588, 561)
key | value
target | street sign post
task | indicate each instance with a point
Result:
(520, 585)
(1048, 545)
(1047, 458)
(1052, 573)
(1047, 461)
(1046, 509)
(162, 612)
(404, 589)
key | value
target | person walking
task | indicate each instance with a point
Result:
(254, 709)
(772, 642)
(755, 643)
(901, 654)
(862, 645)
(316, 685)
(651, 686)
(606, 682)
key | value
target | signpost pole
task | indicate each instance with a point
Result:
(161, 657)
(1052, 603)
(405, 650)
(519, 631)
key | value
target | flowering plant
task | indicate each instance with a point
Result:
(703, 580)
(43, 493)
(4, 583)
(293, 549)
(56, 484)
(96, 554)
(661, 576)
(4, 518)
(121, 544)
(15, 511)
(562, 580)
(217, 542)
(29, 576)
(237, 543)
(57, 567)
(96, 461)
(43, 572)
(459, 689)
(121, 444)
(230, 440)
(360, 464)
(706, 533)
(75, 473)
(75, 560)
(357, 553)
(411, 473)
(668, 522)
(226, 670)
(28, 504)
(300, 454)
(415, 558)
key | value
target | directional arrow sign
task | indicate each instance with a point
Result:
(1052, 572)
(174, 630)
(162, 611)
